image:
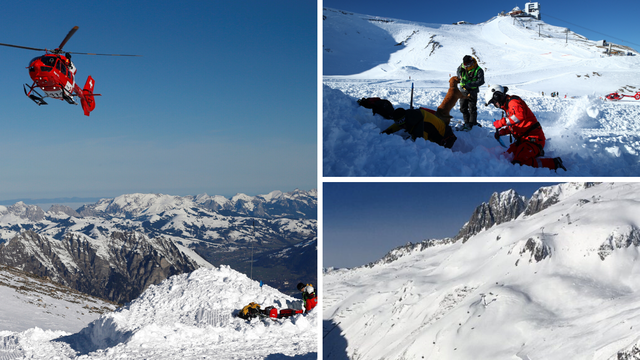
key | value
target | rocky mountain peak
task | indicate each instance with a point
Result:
(23, 211)
(502, 207)
(550, 195)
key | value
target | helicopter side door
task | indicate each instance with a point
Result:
(65, 77)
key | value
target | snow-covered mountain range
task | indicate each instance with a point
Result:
(273, 220)
(117, 247)
(374, 56)
(556, 281)
(188, 316)
(297, 204)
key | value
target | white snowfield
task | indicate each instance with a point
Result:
(368, 56)
(28, 301)
(558, 284)
(188, 316)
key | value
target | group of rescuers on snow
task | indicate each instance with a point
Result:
(519, 120)
(309, 301)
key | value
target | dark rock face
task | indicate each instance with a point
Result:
(551, 195)
(119, 269)
(619, 241)
(63, 209)
(542, 199)
(501, 208)
(629, 354)
(538, 249)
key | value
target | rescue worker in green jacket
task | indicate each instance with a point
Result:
(471, 78)
(422, 123)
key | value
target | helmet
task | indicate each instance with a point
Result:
(468, 62)
(301, 286)
(495, 94)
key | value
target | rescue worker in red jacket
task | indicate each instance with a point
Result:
(524, 126)
(308, 296)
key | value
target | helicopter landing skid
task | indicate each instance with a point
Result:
(34, 95)
(68, 98)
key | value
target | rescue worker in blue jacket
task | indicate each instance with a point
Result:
(471, 78)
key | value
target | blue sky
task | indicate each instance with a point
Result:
(589, 18)
(223, 99)
(364, 221)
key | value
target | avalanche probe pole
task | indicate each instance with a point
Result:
(254, 238)
(411, 104)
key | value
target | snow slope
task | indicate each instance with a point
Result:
(558, 284)
(187, 316)
(367, 56)
(29, 301)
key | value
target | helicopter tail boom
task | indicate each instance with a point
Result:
(86, 96)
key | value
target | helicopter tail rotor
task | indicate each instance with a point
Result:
(86, 100)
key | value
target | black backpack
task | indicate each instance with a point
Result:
(379, 106)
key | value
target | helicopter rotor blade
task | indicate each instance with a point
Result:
(69, 35)
(59, 49)
(81, 53)
(23, 47)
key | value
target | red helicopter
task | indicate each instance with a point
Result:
(55, 74)
(615, 96)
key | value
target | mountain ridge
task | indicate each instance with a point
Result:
(118, 269)
(270, 223)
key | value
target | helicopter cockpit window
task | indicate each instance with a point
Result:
(60, 66)
(48, 60)
(34, 59)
